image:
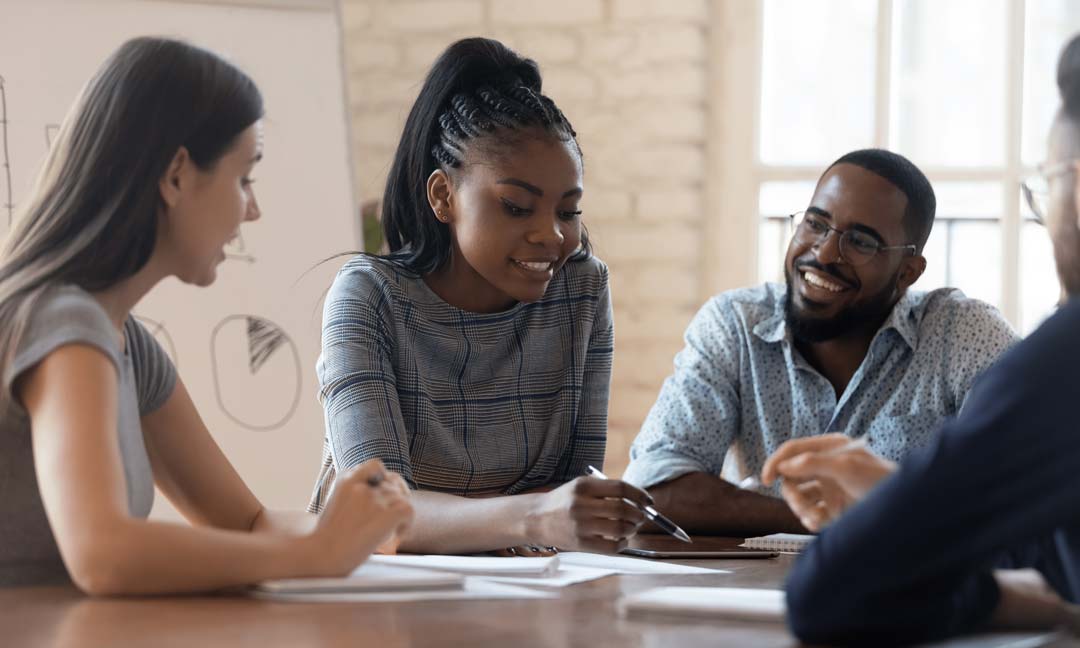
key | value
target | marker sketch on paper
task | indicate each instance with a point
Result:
(6, 203)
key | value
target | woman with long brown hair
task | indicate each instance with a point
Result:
(150, 178)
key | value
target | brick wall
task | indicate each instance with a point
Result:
(631, 75)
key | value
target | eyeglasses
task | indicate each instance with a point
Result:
(856, 248)
(1036, 188)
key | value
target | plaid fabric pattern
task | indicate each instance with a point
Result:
(458, 402)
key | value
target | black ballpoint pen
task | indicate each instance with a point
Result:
(652, 514)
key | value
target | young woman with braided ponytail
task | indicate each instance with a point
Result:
(475, 358)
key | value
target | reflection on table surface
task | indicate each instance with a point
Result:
(582, 615)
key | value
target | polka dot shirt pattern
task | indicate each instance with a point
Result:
(740, 384)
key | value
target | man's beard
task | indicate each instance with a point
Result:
(811, 329)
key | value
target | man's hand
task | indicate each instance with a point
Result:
(824, 475)
(1028, 603)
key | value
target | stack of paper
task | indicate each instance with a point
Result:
(369, 577)
(474, 565)
(400, 578)
(404, 577)
(627, 565)
(713, 602)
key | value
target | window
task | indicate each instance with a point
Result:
(965, 88)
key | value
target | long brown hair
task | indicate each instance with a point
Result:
(91, 219)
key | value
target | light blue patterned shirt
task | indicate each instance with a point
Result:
(739, 383)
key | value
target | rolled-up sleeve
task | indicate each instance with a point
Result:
(695, 417)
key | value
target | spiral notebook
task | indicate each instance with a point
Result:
(785, 542)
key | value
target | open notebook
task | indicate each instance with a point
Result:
(369, 577)
(713, 602)
(787, 542)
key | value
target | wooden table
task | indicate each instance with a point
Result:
(583, 615)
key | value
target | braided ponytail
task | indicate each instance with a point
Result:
(477, 89)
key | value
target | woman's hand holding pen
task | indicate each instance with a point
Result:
(587, 514)
(368, 508)
(824, 475)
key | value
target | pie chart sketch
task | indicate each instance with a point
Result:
(161, 334)
(6, 205)
(256, 369)
(50, 134)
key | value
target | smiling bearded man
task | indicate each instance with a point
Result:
(843, 347)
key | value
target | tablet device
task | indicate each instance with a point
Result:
(736, 553)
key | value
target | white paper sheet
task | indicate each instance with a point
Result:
(627, 565)
(368, 577)
(475, 565)
(581, 567)
(744, 604)
(567, 575)
(475, 588)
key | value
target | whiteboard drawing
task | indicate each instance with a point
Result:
(7, 205)
(162, 335)
(256, 369)
(50, 134)
(236, 250)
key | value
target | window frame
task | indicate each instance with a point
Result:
(735, 116)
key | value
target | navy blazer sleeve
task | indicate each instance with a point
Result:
(913, 561)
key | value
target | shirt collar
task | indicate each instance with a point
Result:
(773, 328)
(902, 319)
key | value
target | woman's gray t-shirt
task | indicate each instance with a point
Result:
(69, 315)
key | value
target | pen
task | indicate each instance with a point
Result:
(753, 482)
(652, 514)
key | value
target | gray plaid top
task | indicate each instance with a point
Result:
(459, 402)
